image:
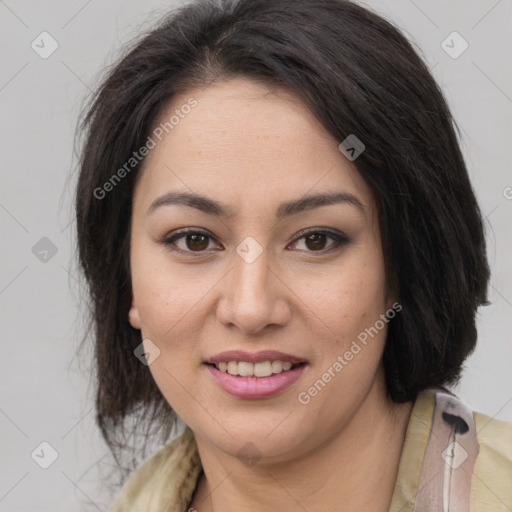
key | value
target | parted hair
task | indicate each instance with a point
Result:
(358, 74)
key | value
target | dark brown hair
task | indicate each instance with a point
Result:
(358, 75)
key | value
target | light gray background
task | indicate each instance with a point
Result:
(45, 394)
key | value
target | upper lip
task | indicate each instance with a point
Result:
(256, 357)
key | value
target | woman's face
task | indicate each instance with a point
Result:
(265, 267)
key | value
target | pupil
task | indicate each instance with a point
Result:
(314, 239)
(196, 239)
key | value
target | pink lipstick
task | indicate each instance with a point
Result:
(255, 375)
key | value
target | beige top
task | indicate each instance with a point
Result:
(166, 481)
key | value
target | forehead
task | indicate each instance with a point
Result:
(244, 140)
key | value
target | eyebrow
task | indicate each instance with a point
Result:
(286, 209)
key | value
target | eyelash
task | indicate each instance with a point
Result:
(339, 240)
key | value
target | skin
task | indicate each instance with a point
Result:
(252, 148)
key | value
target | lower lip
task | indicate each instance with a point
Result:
(255, 387)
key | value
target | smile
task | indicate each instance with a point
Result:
(262, 369)
(252, 375)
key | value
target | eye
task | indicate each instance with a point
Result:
(198, 241)
(193, 241)
(315, 240)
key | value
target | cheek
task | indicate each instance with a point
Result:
(170, 308)
(347, 297)
(164, 293)
(350, 341)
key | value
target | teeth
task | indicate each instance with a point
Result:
(277, 366)
(246, 369)
(263, 369)
(233, 368)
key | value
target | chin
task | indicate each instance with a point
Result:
(261, 438)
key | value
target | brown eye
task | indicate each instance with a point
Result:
(188, 241)
(194, 241)
(197, 242)
(316, 241)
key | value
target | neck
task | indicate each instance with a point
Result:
(352, 471)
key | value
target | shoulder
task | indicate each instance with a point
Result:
(450, 449)
(167, 479)
(492, 475)
(491, 478)
(494, 436)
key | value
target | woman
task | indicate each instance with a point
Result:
(284, 251)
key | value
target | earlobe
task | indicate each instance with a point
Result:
(133, 315)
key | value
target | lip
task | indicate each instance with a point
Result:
(257, 357)
(255, 387)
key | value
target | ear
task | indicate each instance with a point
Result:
(133, 315)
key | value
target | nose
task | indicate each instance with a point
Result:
(254, 297)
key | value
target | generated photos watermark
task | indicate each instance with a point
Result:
(143, 151)
(304, 397)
